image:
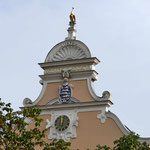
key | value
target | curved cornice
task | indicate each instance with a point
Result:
(27, 102)
(105, 95)
(122, 127)
(118, 122)
(68, 49)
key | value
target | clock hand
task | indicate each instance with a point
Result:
(61, 121)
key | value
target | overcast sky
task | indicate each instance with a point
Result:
(117, 32)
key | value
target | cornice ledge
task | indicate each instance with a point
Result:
(74, 75)
(99, 104)
(92, 60)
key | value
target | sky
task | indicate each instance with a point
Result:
(117, 32)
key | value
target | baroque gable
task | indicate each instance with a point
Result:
(70, 107)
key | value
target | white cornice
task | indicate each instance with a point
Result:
(92, 60)
(78, 107)
(123, 128)
(96, 104)
(118, 122)
(75, 75)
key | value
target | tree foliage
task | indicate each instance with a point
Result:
(127, 142)
(15, 136)
(13, 132)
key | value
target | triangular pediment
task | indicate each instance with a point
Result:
(57, 101)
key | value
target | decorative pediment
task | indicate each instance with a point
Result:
(68, 50)
(57, 101)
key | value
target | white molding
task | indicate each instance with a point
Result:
(118, 122)
(67, 134)
(57, 101)
(75, 75)
(105, 95)
(64, 50)
(102, 116)
(123, 128)
(53, 101)
(75, 62)
(90, 88)
(96, 104)
(26, 104)
(61, 80)
(78, 107)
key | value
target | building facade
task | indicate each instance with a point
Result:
(70, 108)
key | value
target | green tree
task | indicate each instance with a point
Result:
(127, 142)
(14, 134)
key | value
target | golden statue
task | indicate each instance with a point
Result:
(72, 18)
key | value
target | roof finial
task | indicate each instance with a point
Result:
(71, 30)
(72, 18)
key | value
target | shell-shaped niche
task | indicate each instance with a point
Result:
(68, 50)
(68, 53)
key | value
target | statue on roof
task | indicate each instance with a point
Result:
(72, 18)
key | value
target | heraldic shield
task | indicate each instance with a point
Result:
(65, 94)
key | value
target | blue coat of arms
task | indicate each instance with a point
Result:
(65, 94)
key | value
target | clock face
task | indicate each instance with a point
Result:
(62, 123)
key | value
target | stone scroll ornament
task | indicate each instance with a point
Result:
(65, 91)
